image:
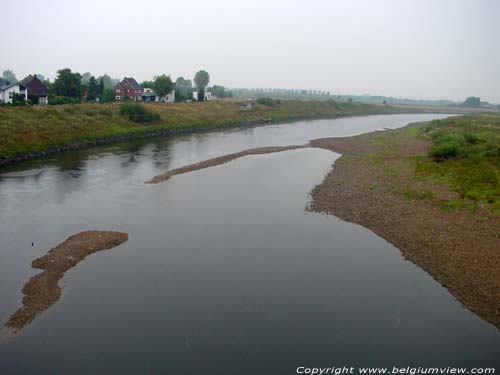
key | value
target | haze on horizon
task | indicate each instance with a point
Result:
(422, 49)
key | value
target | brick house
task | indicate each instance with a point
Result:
(128, 88)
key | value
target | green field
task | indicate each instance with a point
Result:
(33, 129)
(465, 154)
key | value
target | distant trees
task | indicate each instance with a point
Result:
(183, 89)
(67, 84)
(92, 88)
(86, 77)
(220, 92)
(9, 76)
(201, 79)
(472, 101)
(108, 82)
(162, 85)
(108, 95)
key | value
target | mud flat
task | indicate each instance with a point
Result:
(42, 290)
(219, 160)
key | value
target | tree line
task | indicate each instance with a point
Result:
(73, 87)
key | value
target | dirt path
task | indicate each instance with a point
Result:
(42, 290)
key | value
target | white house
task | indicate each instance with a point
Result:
(8, 91)
(208, 96)
(169, 98)
(148, 95)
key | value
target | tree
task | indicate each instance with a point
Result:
(68, 84)
(9, 76)
(162, 85)
(472, 101)
(108, 95)
(86, 77)
(201, 79)
(100, 88)
(183, 89)
(201, 94)
(92, 88)
(219, 91)
(108, 82)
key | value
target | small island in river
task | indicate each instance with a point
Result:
(42, 290)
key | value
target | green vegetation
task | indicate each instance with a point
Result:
(466, 155)
(266, 101)
(34, 128)
(137, 113)
(472, 101)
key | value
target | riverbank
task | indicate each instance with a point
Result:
(379, 183)
(387, 182)
(31, 132)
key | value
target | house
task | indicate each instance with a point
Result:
(169, 98)
(7, 92)
(128, 88)
(208, 96)
(148, 95)
(38, 93)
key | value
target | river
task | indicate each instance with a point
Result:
(224, 271)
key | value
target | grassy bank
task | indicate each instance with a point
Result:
(25, 130)
(465, 155)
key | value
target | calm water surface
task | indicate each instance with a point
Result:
(224, 272)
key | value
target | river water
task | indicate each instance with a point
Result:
(224, 271)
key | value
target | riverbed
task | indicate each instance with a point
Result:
(224, 271)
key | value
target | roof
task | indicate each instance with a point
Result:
(34, 85)
(132, 82)
(5, 87)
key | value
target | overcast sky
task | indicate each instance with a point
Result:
(430, 49)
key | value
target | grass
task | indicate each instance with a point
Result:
(32, 129)
(465, 154)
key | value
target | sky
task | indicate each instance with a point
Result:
(421, 49)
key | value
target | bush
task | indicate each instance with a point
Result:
(448, 145)
(58, 100)
(137, 113)
(266, 101)
(446, 150)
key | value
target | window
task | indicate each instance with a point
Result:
(11, 94)
(118, 97)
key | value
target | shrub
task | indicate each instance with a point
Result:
(266, 101)
(446, 150)
(137, 113)
(58, 100)
(447, 145)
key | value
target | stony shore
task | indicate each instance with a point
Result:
(42, 290)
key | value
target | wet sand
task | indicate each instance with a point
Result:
(42, 290)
